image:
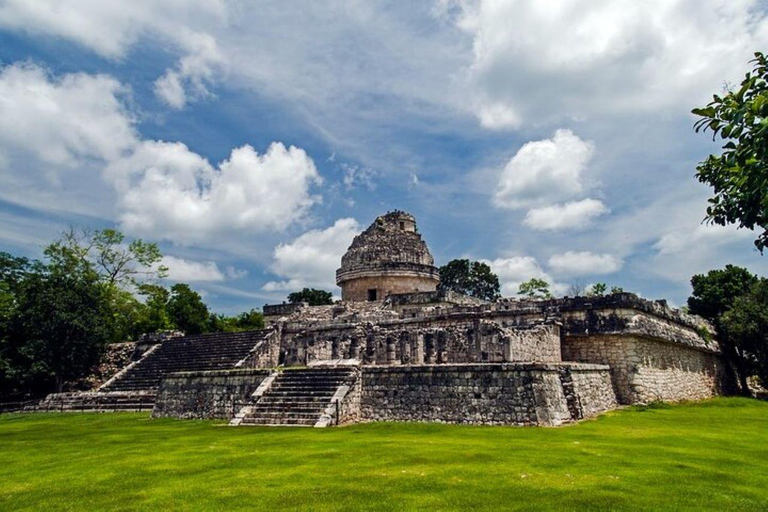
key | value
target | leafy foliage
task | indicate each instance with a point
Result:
(59, 330)
(746, 325)
(714, 294)
(739, 176)
(597, 290)
(187, 311)
(105, 253)
(246, 321)
(535, 288)
(311, 296)
(473, 278)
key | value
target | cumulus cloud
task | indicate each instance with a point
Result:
(552, 60)
(182, 270)
(517, 269)
(575, 214)
(111, 28)
(67, 133)
(312, 258)
(171, 192)
(544, 171)
(62, 120)
(574, 263)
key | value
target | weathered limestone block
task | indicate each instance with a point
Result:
(491, 394)
(645, 370)
(211, 394)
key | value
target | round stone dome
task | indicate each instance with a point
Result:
(388, 257)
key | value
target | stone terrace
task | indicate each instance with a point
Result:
(219, 351)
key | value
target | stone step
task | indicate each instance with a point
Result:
(268, 399)
(301, 393)
(306, 385)
(281, 415)
(267, 422)
(315, 409)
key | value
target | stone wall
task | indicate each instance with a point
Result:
(489, 394)
(397, 282)
(646, 370)
(422, 341)
(212, 394)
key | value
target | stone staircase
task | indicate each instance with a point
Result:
(203, 352)
(122, 401)
(298, 397)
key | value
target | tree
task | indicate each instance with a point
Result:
(713, 295)
(746, 326)
(739, 176)
(59, 330)
(311, 296)
(473, 278)
(597, 290)
(535, 288)
(105, 253)
(246, 321)
(153, 315)
(187, 311)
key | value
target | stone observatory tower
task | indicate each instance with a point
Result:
(388, 257)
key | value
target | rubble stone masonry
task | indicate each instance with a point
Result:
(487, 394)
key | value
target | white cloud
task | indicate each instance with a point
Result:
(312, 258)
(545, 61)
(111, 28)
(517, 269)
(573, 263)
(544, 171)
(55, 133)
(62, 121)
(182, 270)
(576, 214)
(701, 237)
(170, 89)
(170, 192)
(60, 135)
(355, 176)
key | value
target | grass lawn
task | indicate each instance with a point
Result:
(709, 455)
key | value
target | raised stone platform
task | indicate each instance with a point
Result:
(486, 394)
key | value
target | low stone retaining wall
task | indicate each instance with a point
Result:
(646, 370)
(489, 394)
(210, 394)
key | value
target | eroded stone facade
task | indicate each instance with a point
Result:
(387, 258)
(422, 354)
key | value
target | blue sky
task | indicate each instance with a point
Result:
(253, 140)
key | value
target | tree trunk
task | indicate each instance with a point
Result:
(742, 371)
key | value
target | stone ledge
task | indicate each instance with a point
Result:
(484, 367)
(219, 373)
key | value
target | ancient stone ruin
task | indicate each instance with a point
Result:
(397, 349)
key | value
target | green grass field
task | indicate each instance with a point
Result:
(710, 455)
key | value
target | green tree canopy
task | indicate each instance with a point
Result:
(473, 278)
(106, 253)
(715, 293)
(246, 321)
(312, 296)
(597, 290)
(739, 176)
(60, 328)
(535, 288)
(746, 326)
(187, 311)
